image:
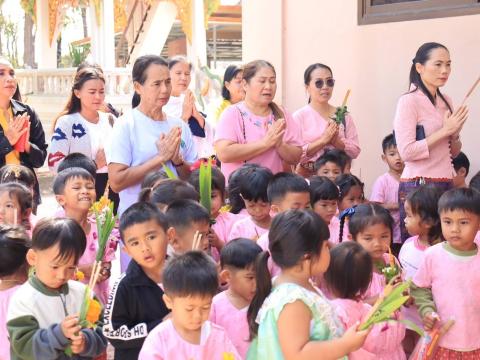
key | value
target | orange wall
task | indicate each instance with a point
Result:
(372, 60)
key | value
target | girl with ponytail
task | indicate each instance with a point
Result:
(427, 127)
(293, 319)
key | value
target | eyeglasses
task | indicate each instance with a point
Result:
(320, 82)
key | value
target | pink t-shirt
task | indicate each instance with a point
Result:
(223, 224)
(165, 343)
(384, 342)
(414, 109)
(272, 267)
(239, 125)
(378, 282)
(246, 228)
(5, 296)
(410, 257)
(312, 126)
(455, 284)
(232, 320)
(385, 191)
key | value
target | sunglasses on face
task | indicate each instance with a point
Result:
(320, 83)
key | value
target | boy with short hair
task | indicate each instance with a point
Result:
(461, 164)
(135, 304)
(286, 191)
(42, 319)
(187, 218)
(74, 190)
(332, 164)
(385, 188)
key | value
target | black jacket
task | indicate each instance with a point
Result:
(38, 147)
(135, 306)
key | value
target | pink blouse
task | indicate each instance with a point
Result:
(413, 109)
(312, 125)
(239, 125)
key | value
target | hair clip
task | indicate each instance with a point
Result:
(347, 213)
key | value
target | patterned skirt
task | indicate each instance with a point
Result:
(447, 354)
(407, 186)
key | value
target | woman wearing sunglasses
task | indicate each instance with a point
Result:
(319, 131)
(257, 130)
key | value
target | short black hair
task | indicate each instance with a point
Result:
(64, 232)
(65, 175)
(230, 72)
(152, 178)
(14, 244)
(78, 160)
(218, 180)
(388, 142)
(464, 199)
(322, 188)
(233, 190)
(184, 213)
(17, 173)
(423, 202)
(350, 270)
(23, 196)
(475, 182)
(239, 253)
(167, 191)
(336, 156)
(139, 213)
(254, 183)
(190, 274)
(283, 183)
(461, 161)
(345, 182)
(367, 215)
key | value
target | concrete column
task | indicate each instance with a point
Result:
(103, 35)
(45, 53)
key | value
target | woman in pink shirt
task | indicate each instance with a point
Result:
(426, 127)
(257, 130)
(319, 131)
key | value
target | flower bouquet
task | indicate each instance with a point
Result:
(341, 111)
(392, 270)
(387, 303)
(428, 343)
(91, 309)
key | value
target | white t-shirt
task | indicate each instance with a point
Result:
(99, 136)
(133, 143)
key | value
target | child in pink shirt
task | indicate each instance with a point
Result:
(222, 220)
(332, 164)
(385, 188)
(16, 202)
(351, 194)
(239, 125)
(446, 286)
(324, 196)
(286, 191)
(229, 308)
(190, 281)
(74, 190)
(14, 244)
(347, 278)
(423, 223)
(371, 226)
(253, 189)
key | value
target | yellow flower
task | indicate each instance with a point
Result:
(228, 356)
(94, 311)
(79, 275)
(225, 209)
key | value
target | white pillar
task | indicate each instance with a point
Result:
(45, 53)
(156, 34)
(197, 50)
(103, 35)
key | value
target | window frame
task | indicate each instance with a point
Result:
(414, 10)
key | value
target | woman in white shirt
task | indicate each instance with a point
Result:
(83, 128)
(182, 106)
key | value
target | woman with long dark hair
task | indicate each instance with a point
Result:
(427, 128)
(319, 131)
(232, 89)
(22, 139)
(83, 128)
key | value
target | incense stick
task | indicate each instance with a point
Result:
(475, 84)
(345, 99)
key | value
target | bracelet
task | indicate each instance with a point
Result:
(178, 165)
